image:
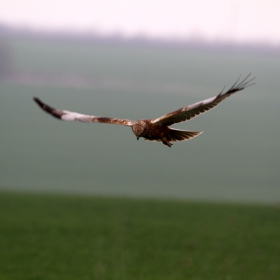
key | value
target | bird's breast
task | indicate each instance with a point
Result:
(155, 131)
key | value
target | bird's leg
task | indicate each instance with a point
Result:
(166, 142)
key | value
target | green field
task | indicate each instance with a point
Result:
(70, 237)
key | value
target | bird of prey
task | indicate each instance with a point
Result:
(155, 129)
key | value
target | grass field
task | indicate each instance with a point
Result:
(70, 237)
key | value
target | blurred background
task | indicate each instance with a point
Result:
(140, 59)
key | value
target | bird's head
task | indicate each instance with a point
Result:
(138, 129)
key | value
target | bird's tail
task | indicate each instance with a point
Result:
(182, 135)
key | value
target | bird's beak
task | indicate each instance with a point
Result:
(137, 138)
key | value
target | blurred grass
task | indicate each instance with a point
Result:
(67, 237)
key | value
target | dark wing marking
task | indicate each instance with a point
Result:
(73, 116)
(191, 111)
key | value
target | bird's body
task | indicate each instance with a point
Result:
(161, 132)
(154, 129)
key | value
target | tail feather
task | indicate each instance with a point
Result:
(182, 135)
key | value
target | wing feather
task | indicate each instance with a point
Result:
(73, 116)
(191, 111)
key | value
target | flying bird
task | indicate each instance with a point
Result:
(155, 129)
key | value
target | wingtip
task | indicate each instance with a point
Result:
(239, 85)
(37, 100)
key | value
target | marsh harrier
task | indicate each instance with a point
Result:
(155, 129)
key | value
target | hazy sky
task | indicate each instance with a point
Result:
(230, 20)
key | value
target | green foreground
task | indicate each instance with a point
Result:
(68, 237)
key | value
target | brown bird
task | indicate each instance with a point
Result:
(155, 129)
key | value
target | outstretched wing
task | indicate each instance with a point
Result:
(191, 111)
(73, 116)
